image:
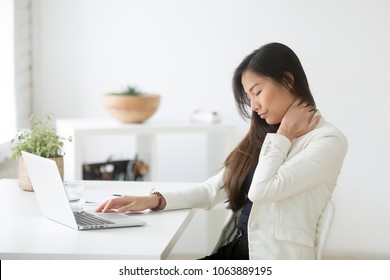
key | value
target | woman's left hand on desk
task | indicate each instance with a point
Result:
(128, 203)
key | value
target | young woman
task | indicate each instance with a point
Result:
(279, 178)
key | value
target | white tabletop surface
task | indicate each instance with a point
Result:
(26, 234)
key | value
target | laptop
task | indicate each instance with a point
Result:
(54, 202)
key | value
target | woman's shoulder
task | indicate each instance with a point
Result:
(328, 129)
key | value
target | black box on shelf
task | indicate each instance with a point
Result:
(115, 170)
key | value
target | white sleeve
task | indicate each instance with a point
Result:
(205, 196)
(277, 178)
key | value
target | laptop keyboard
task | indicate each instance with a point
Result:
(87, 219)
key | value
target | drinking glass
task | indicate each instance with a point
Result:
(75, 191)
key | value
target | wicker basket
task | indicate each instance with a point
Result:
(131, 109)
(24, 180)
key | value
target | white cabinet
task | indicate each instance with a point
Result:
(220, 140)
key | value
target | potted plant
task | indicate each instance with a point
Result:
(42, 140)
(131, 105)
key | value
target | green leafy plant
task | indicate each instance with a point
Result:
(131, 91)
(42, 139)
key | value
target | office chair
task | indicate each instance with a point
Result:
(323, 228)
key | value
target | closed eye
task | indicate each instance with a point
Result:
(257, 94)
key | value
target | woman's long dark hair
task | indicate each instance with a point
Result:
(281, 64)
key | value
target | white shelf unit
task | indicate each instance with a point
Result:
(220, 140)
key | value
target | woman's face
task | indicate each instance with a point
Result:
(268, 99)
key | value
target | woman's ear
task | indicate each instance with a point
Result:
(288, 80)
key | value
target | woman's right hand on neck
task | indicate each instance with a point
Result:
(298, 120)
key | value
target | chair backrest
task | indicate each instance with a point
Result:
(323, 228)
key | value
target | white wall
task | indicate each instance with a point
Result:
(7, 85)
(187, 51)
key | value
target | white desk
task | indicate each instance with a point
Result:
(220, 140)
(26, 234)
